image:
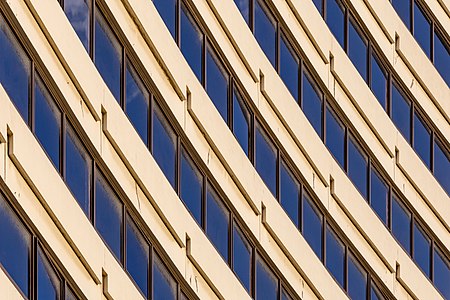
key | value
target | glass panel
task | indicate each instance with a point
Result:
(379, 195)
(265, 31)
(137, 256)
(77, 11)
(70, 295)
(15, 69)
(422, 30)
(442, 166)
(312, 225)
(217, 84)
(403, 10)
(401, 113)
(108, 215)
(15, 247)
(335, 137)
(357, 49)
(242, 257)
(266, 160)
(241, 122)
(266, 282)
(357, 280)
(167, 10)
(318, 4)
(191, 43)
(191, 187)
(422, 250)
(375, 293)
(335, 18)
(401, 224)
(217, 223)
(441, 273)
(289, 67)
(312, 103)
(379, 82)
(107, 55)
(422, 140)
(164, 144)
(290, 194)
(335, 256)
(442, 57)
(357, 167)
(78, 169)
(137, 103)
(47, 122)
(244, 8)
(164, 286)
(48, 283)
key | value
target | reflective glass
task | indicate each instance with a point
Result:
(442, 57)
(191, 187)
(357, 49)
(401, 113)
(441, 273)
(48, 283)
(285, 296)
(312, 103)
(401, 224)
(289, 194)
(442, 166)
(244, 8)
(77, 11)
(191, 40)
(422, 250)
(357, 280)
(422, 140)
(335, 256)
(266, 160)
(312, 225)
(335, 137)
(241, 122)
(242, 257)
(265, 31)
(137, 258)
(379, 82)
(335, 18)
(379, 195)
(357, 167)
(217, 222)
(217, 84)
(266, 282)
(375, 293)
(422, 30)
(167, 10)
(318, 4)
(164, 286)
(69, 294)
(289, 67)
(403, 10)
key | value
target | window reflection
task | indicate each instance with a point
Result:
(217, 223)
(265, 31)
(191, 40)
(164, 286)
(266, 282)
(48, 283)
(266, 160)
(191, 187)
(77, 12)
(335, 256)
(137, 258)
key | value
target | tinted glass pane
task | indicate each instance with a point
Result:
(164, 286)
(164, 145)
(379, 82)
(69, 294)
(403, 10)
(14, 69)
(379, 193)
(312, 226)
(77, 11)
(335, 137)
(290, 193)
(335, 18)
(242, 254)
(289, 68)
(241, 122)
(191, 187)
(217, 223)
(167, 11)
(422, 250)
(137, 103)
(266, 160)
(401, 109)
(108, 215)
(244, 8)
(441, 273)
(442, 57)
(265, 31)
(318, 4)
(401, 224)
(78, 170)
(422, 30)
(15, 247)
(357, 280)
(137, 257)
(357, 167)
(48, 284)
(47, 122)
(312, 104)
(285, 296)
(335, 256)
(442, 166)
(357, 50)
(266, 282)
(217, 84)
(191, 43)
(107, 55)
(375, 294)
(422, 140)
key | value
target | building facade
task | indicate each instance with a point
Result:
(220, 149)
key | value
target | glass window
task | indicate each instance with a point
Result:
(47, 122)
(441, 273)
(422, 30)
(167, 10)
(241, 122)
(285, 295)
(442, 165)
(403, 10)
(289, 67)
(242, 257)
(77, 11)
(108, 215)
(422, 140)
(137, 103)
(442, 57)
(48, 283)
(244, 8)
(15, 247)
(357, 167)
(164, 286)
(312, 225)
(78, 169)
(191, 43)
(422, 249)
(217, 84)
(289, 194)
(379, 82)
(266, 282)
(312, 103)
(191, 187)
(357, 280)
(69, 294)
(379, 195)
(335, 137)
(375, 293)
(335, 256)
(107, 55)
(357, 49)
(137, 257)
(266, 160)
(265, 31)
(401, 112)
(15, 69)
(318, 4)
(401, 224)
(164, 144)
(217, 222)
(335, 18)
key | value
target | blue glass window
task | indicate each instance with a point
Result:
(357, 167)
(266, 160)
(107, 55)
(285, 295)
(217, 222)
(289, 67)
(164, 286)
(335, 137)
(401, 224)
(441, 273)
(289, 194)
(266, 282)
(335, 18)
(47, 122)
(244, 8)
(241, 122)
(422, 140)
(167, 10)
(318, 4)
(357, 49)
(265, 31)
(191, 187)
(312, 225)
(422, 30)
(242, 257)
(77, 12)
(312, 103)
(217, 84)
(335, 256)
(137, 258)
(379, 196)
(442, 57)
(401, 112)
(442, 165)
(357, 280)
(422, 250)
(375, 293)
(48, 283)
(403, 10)
(108, 215)
(379, 82)
(191, 43)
